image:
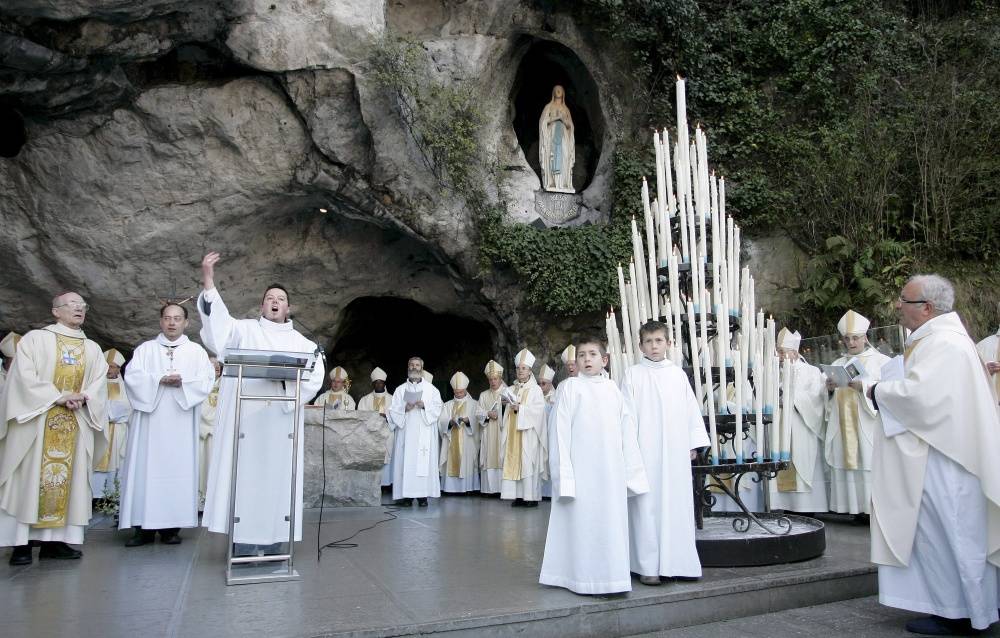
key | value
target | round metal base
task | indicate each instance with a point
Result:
(720, 545)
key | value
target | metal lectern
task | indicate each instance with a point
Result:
(287, 367)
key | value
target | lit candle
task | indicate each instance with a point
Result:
(654, 293)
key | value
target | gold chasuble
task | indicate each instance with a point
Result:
(491, 431)
(512, 455)
(59, 438)
(101, 464)
(378, 402)
(455, 446)
(848, 411)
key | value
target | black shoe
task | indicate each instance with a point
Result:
(56, 549)
(170, 536)
(21, 555)
(404, 502)
(530, 504)
(422, 502)
(517, 503)
(938, 626)
(141, 537)
(862, 519)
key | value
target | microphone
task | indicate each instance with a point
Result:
(312, 334)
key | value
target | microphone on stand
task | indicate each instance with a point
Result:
(312, 334)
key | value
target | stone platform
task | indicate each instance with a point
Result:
(465, 566)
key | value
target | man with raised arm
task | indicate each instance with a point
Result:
(265, 459)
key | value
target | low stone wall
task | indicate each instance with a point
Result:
(354, 452)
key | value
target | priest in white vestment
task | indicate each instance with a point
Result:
(523, 437)
(109, 451)
(459, 425)
(53, 407)
(414, 412)
(337, 398)
(168, 379)
(206, 431)
(935, 522)
(378, 401)
(599, 467)
(852, 422)
(989, 352)
(265, 461)
(670, 429)
(490, 412)
(802, 487)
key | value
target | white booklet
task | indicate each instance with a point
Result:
(510, 395)
(844, 374)
(412, 396)
(893, 370)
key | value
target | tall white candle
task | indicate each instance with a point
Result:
(738, 432)
(693, 343)
(626, 319)
(786, 411)
(713, 434)
(654, 293)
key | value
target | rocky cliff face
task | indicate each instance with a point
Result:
(156, 130)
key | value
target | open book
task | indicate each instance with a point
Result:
(844, 374)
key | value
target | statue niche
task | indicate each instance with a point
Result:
(556, 144)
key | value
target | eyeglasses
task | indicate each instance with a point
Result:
(73, 304)
(901, 300)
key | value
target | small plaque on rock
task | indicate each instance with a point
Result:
(557, 208)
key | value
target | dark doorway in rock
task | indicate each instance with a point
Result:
(12, 132)
(543, 65)
(386, 331)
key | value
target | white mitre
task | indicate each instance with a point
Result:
(546, 372)
(493, 369)
(378, 374)
(112, 356)
(569, 354)
(524, 358)
(853, 323)
(789, 340)
(8, 346)
(459, 381)
(339, 373)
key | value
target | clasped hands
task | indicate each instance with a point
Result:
(854, 385)
(454, 423)
(73, 400)
(173, 380)
(418, 404)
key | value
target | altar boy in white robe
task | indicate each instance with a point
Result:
(802, 487)
(600, 466)
(523, 437)
(265, 470)
(852, 422)
(168, 379)
(670, 429)
(935, 522)
(378, 401)
(490, 412)
(109, 452)
(459, 425)
(414, 411)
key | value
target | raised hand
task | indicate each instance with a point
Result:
(208, 270)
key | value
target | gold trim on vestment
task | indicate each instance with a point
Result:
(492, 434)
(455, 443)
(787, 481)
(59, 436)
(102, 463)
(512, 455)
(849, 413)
(378, 402)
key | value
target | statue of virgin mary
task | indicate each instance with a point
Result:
(556, 144)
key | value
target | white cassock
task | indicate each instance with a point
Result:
(935, 479)
(802, 487)
(669, 426)
(109, 452)
(265, 470)
(415, 459)
(989, 350)
(490, 451)
(599, 466)
(337, 400)
(379, 402)
(206, 430)
(160, 475)
(47, 363)
(524, 444)
(459, 452)
(850, 432)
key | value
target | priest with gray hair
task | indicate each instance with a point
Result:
(935, 518)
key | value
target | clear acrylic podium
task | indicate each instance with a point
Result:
(287, 367)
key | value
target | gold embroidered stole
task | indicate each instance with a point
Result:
(59, 437)
(512, 455)
(378, 402)
(492, 434)
(455, 444)
(849, 412)
(114, 393)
